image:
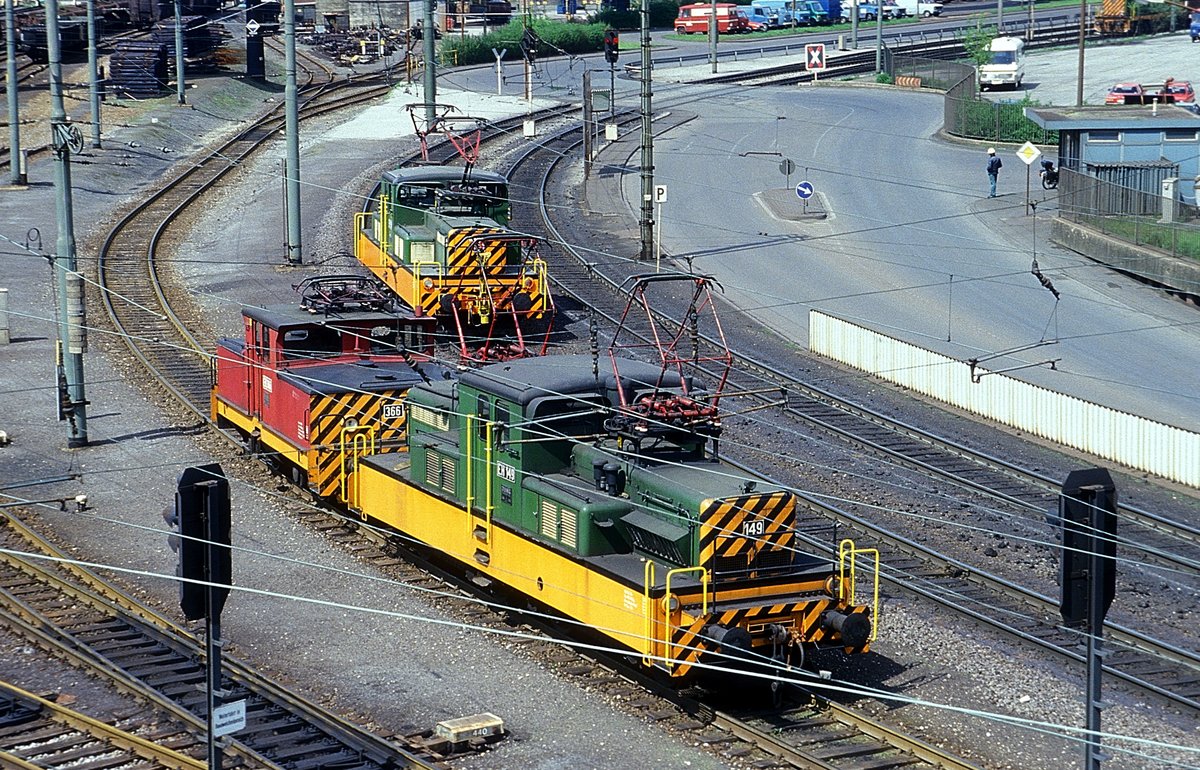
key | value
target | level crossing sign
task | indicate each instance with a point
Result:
(814, 56)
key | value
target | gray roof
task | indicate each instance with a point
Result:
(523, 380)
(443, 174)
(1141, 117)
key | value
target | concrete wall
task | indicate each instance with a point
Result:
(1173, 272)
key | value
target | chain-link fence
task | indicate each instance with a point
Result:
(1135, 215)
(967, 115)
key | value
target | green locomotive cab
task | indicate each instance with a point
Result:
(707, 558)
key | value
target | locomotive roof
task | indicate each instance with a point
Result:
(359, 377)
(526, 379)
(278, 316)
(414, 174)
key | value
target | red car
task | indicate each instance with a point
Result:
(1180, 91)
(1125, 93)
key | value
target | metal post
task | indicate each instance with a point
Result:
(93, 72)
(1082, 35)
(16, 167)
(713, 33)
(428, 39)
(528, 80)
(658, 240)
(179, 81)
(587, 123)
(612, 89)
(1095, 631)
(879, 36)
(292, 129)
(854, 25)
(71, 323)
(647, 214)
(212, 622)
(1000, 17)
(5, 328)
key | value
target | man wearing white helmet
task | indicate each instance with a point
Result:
(993, 169)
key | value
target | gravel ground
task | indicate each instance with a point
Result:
(396, 665)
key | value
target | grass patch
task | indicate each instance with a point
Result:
(1179, 241)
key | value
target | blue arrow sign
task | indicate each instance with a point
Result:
(805, 190)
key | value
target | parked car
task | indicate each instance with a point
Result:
(1125, 93)
(1194, 27)
(1180, 91)
(759, 19)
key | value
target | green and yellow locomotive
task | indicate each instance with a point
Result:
(543, 475)
(438, 237)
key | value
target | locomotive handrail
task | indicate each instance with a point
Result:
(647, 610)
(847, 552)
(667, 609)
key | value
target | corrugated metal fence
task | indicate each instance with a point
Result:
(1164, 450)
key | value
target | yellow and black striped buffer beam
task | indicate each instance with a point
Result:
(330, 415)
(736, 530)
(803, 618)
(469, 249)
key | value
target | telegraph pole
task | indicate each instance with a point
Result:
(879, 35)
(713, 32)
(93, 74)
(647, 219)
(428, 39)
(16, 167)
(71, 322)
(292, 129)
(179, 82)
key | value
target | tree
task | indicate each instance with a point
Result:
(977, 43)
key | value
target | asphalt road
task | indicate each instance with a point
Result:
(913, 247)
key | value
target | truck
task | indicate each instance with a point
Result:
(1006, 64)
(923, 8)
(801, 12)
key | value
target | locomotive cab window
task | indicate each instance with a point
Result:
(484, 413)
(312, 342)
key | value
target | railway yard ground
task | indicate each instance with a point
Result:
(388, 655)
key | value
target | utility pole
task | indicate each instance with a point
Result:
(427, 39)
(16, 167)
(292, 129)
(71, 322)
(999, 17)
(647, 220)
(179, 81)
(713, 32)
(93, 74)
(879, 36)
(1082, 34)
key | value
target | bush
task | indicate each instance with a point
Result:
(1003, 122)
(555, 38)
(884, 78)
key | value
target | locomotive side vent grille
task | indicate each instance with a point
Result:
(568, 527)
(549, 520)
(439, 472)
(427, 416)
(656, 546)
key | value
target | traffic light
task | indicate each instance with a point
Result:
(200, 525)
(611, 45)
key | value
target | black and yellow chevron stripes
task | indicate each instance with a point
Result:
(737, 530)
(329, 415)
(803, 618)
(469, 251)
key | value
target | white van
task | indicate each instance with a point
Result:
(1007, 64)
(925, 8)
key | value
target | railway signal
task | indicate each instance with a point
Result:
(1087, 512)
(612, 43)
(201, 522)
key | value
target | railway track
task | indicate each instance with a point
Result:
(1166, 670)
(40, 734)
(70, 612)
